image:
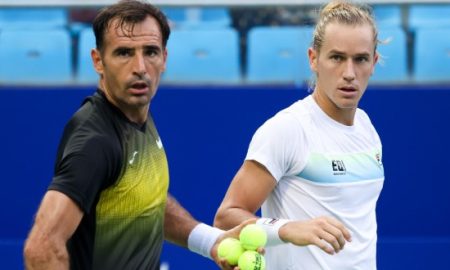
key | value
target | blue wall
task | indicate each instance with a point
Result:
(206, 131)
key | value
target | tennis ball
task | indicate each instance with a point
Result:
(230, 249)
(251, 260)
(253, 236)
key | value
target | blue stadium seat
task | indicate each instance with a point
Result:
(203, 55)
(35, 57)
(388, 15)
(393, 64)
(33, 18)
(176, 15)
(429, 16)
(210, 17)
(217, 17)
(432, 55)
(278, 54)
(85, 72)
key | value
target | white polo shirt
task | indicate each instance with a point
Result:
(323, 168)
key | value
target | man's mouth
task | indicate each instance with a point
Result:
(139, 85)
(139, 88)
(347, 88)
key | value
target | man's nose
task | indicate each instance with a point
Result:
(139, 65)
(349, 71)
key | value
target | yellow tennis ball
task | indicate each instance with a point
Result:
(253, 236)
(230, 249)
(252, 260)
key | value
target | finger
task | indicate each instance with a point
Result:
(225, 265)
(261, 250)
(337, 234)
(248, 221)
(347, 234)
(222, 263)
(341, 227)
(332, 240)
(323, 245)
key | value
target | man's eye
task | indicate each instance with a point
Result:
(123, 52)
(337, 57)
(151, 52)
(362, 59)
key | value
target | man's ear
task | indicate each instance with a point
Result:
(164, 59)
(312, 55)
(375, 61)
(97, 61)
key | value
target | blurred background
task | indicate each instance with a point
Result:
(232, 64)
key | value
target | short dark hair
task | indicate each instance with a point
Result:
(129, 13)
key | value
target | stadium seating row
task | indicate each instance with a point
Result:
(203, 48)
(275, 55)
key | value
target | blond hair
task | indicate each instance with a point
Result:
(343, 12)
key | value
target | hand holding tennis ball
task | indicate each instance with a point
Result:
(230, 249)
(252, 237)
(242, 252)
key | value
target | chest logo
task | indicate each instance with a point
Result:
(159, 143)
(338, 167)
(133, 158)
(378, 158)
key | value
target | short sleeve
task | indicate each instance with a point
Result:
(87, 166)
(279, 145)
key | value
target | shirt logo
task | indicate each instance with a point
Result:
(159, 143)
(378, 158)
(131, 161)
(271, 221)
(338, 167)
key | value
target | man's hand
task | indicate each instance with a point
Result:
(327, 233)
(222, 263)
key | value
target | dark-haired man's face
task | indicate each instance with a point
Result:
(131, 65)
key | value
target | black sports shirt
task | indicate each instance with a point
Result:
(117, 172)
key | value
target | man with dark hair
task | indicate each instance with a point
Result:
(107, 206)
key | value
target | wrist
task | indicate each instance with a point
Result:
(282, 232)
(202, 238)
(273, 228)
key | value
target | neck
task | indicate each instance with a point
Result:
(138, 117)
(135, 114)
(345, 116)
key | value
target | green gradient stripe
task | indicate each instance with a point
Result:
(358, 167)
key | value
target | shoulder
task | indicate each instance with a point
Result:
(365, 125)
(281, 123)
(293, 115)
(91, 129)
(363, 118)
(294, 118)
(285, 126)
(362, 114)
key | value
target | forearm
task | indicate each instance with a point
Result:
(247, 192)
(56, 220)
(178, 223)
(42, 253)
(229, 217)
